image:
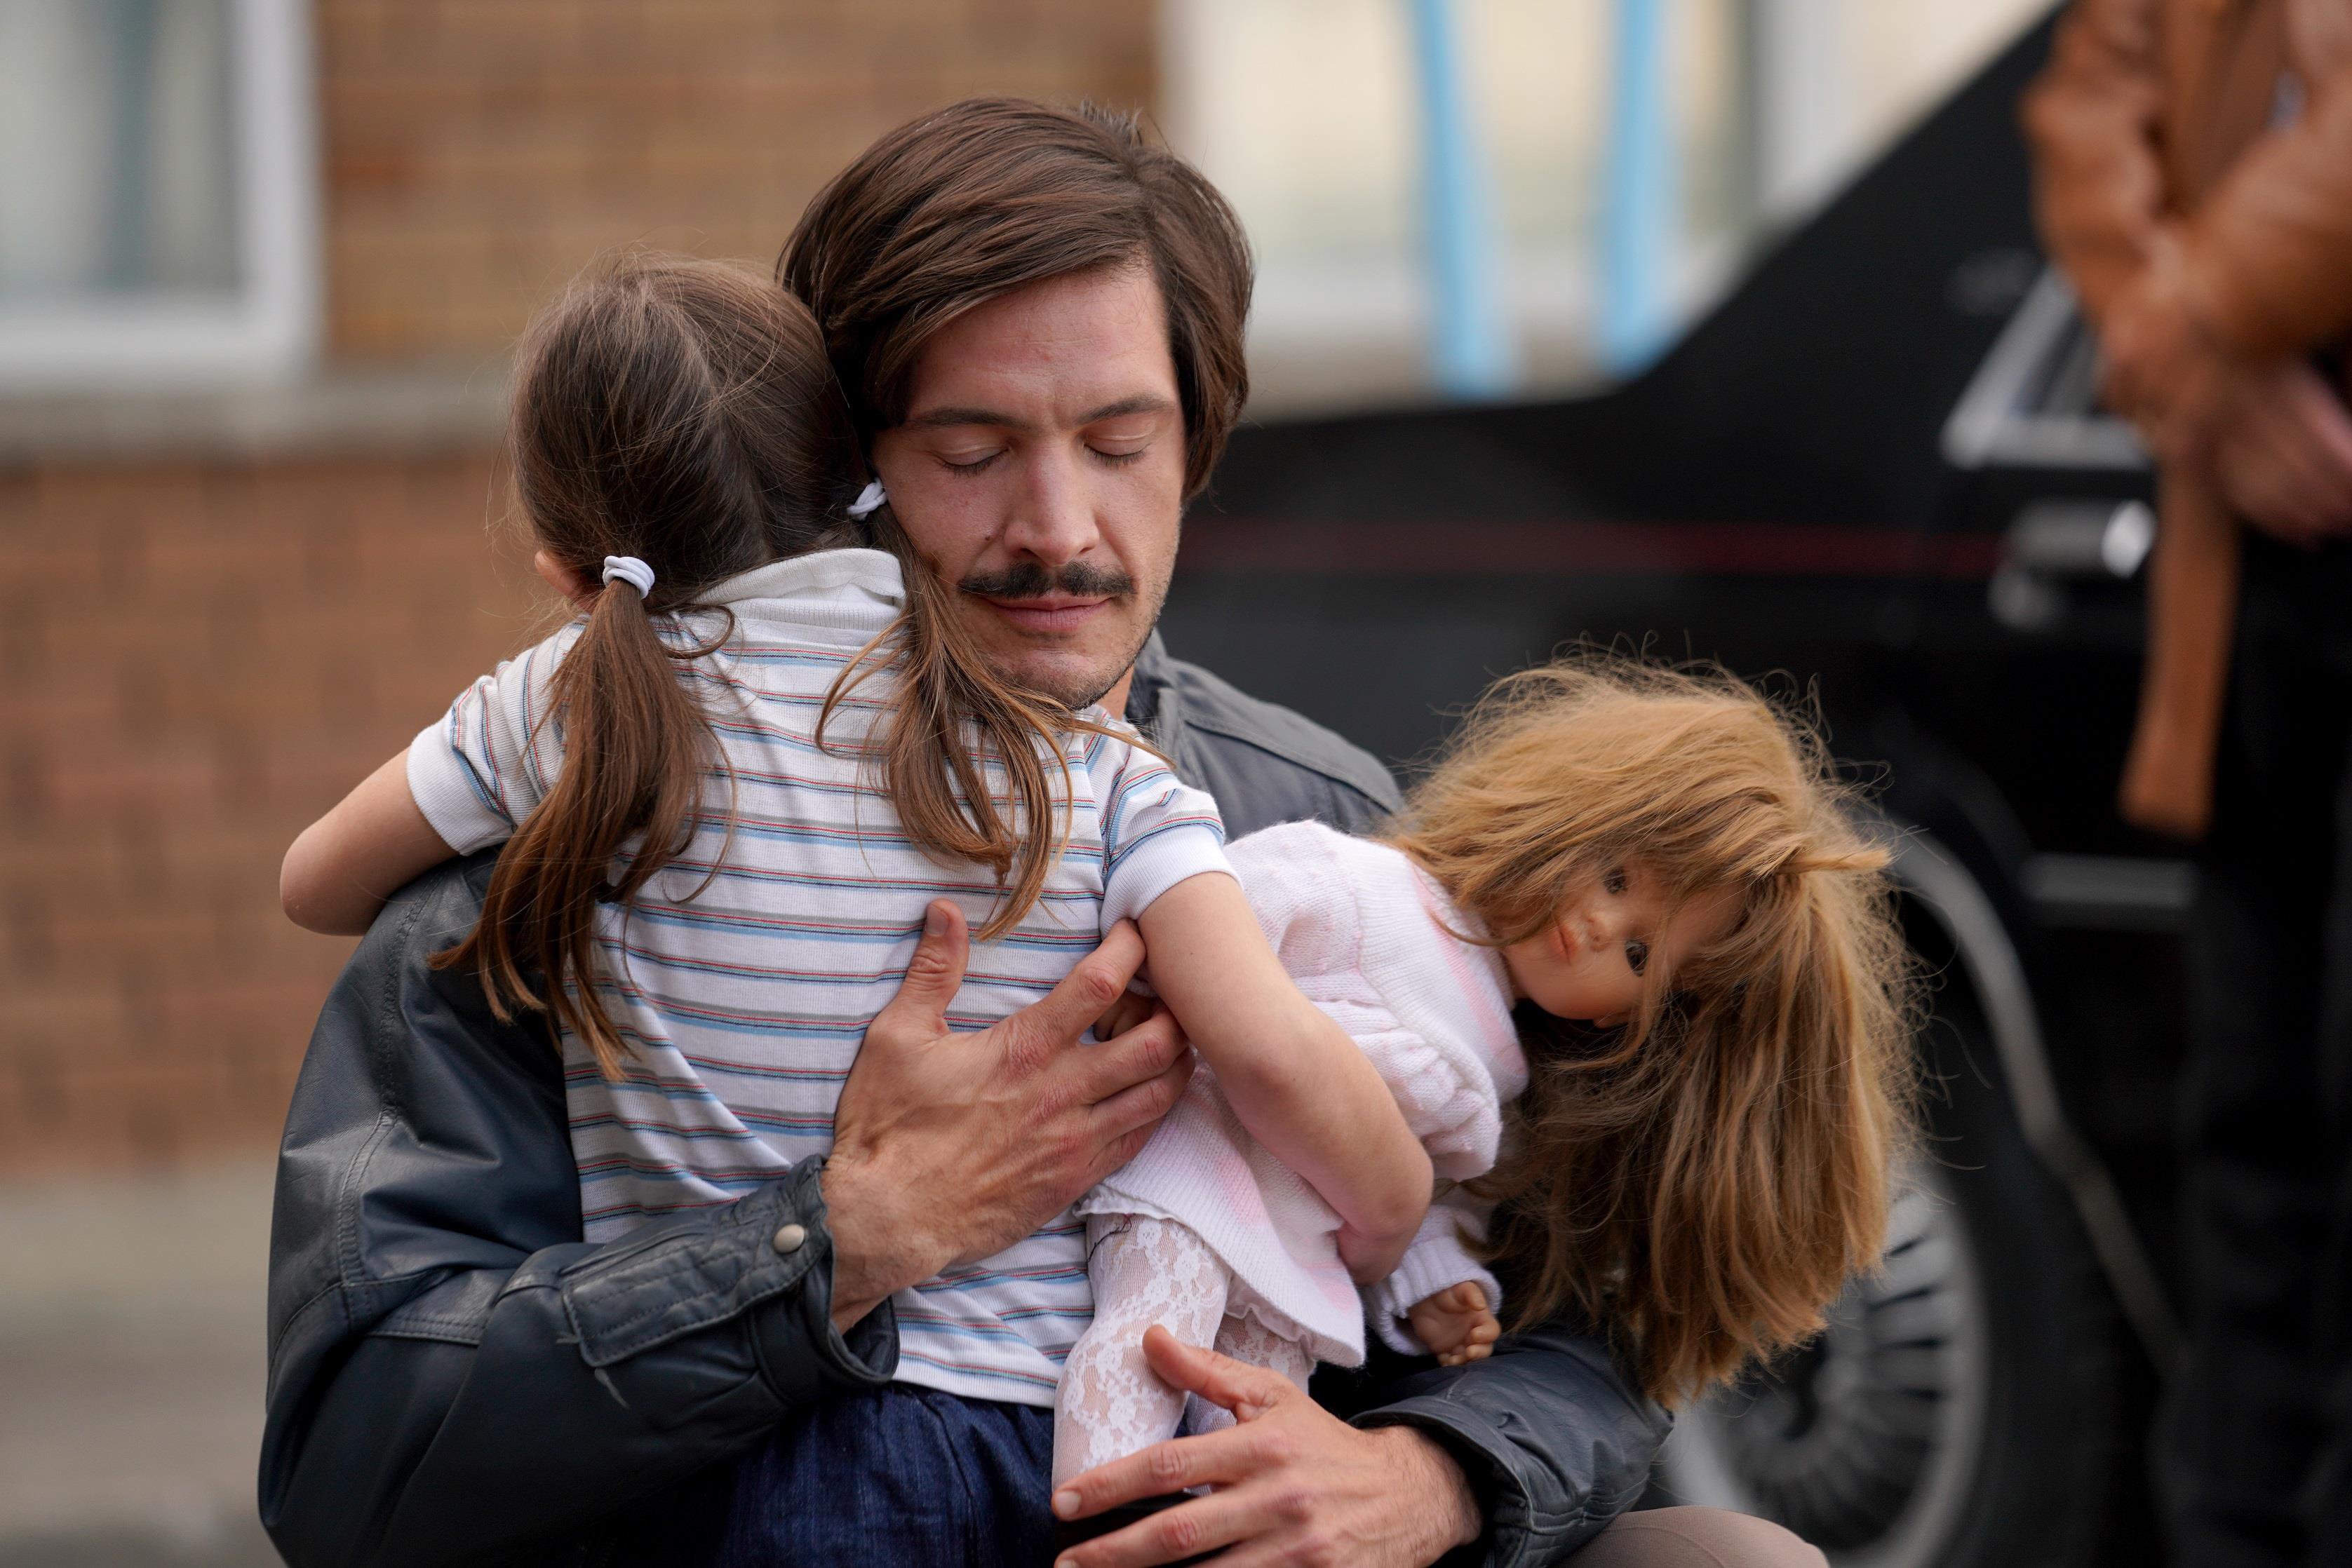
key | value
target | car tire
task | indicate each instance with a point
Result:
(1962, 1409)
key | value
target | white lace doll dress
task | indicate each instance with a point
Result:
(1205, 1233)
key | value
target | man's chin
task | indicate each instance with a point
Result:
(1074, 682)
(1076, 674)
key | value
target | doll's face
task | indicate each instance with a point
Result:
(1590, 962)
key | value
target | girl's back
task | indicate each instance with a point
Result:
(741, 975)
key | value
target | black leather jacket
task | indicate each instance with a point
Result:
(454, 1376)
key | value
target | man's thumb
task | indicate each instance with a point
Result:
(936, 970)
(1248, 1391)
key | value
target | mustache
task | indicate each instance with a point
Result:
(1029, 579)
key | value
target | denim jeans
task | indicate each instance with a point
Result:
(904, 1476)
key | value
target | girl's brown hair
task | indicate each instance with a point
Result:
(1704, 1180)
(685, 412)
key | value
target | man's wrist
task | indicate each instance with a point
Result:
(875, 1251)
(1434, 1473)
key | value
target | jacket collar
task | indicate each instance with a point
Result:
(1154, 704)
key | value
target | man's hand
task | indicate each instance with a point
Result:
(1294, 1483)
(1455, 1325)
(951, 1147)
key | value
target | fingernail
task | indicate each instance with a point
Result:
(934, 924)
(1065, 1503)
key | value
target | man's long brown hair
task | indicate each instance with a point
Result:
(686, 412)
(991, 194)
(1703, 1180)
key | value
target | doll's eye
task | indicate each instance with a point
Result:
(1614, 883)
(1637, 955)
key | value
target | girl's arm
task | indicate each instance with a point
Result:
(1294, 1079)
(372, 844)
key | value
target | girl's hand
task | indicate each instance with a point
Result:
(1455, 1325)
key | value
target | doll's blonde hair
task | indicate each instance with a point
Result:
(1701, 1180)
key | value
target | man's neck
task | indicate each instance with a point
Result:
(1114, 701)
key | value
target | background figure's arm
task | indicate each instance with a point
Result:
(371, 844)
(2093, 118)
(1293, 1077)
(452, 1371)
(2266, 259)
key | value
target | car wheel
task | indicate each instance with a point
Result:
(1961, 1409)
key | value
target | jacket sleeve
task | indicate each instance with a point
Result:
(453, 1372)
(2093, 118)
(2268, 253)
(1555, 1442)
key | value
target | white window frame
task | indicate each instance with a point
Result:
(269, 330)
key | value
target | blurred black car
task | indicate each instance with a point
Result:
(1877, 475)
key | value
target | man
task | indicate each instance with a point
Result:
(1037, 317)
(2195, 162)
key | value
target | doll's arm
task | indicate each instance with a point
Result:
(1294, 1079)
(372, 843)
(1438, 1261)
(1456, 1325)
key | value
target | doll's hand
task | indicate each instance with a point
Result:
(1131, 1009)
(1455, 1325)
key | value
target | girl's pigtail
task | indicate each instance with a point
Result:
(635, 746)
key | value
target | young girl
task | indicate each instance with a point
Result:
(730, 788)
(1633, 972)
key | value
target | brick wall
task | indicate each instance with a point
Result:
(479, 153)
(201, 658)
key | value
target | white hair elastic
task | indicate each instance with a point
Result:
(631, 570)
(869, 501)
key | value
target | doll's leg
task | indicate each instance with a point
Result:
(1111, 1403)
(1248, 1340)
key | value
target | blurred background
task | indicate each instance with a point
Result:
(260, 264)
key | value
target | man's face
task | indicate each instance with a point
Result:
(1040, 469)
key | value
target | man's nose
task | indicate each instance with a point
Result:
(1054, 520)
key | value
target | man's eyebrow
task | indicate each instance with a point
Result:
(996, 419)
(1141, 403)
(946, 418)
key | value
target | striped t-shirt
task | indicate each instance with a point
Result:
(744, 973)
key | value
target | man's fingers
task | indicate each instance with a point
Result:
(1129, 1061)
(1086, 993)
(920, 1011)
(1212, 1458)
(1248, 1391)
(1171, 1535)
(1125, 1122)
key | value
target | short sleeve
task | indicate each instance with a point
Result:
(1156, 829)
(483, 767)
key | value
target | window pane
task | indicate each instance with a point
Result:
(1307, 114)
(117, 168)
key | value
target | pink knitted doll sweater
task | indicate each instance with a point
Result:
(1369, 939)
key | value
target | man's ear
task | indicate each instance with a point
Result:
(564, 579)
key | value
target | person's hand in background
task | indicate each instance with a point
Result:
(2282, 453)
